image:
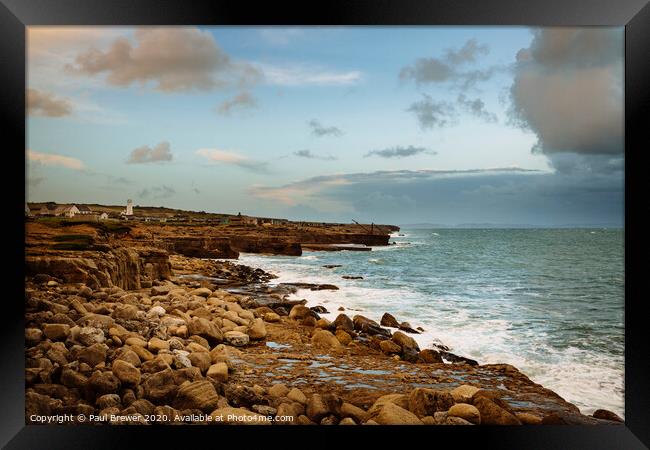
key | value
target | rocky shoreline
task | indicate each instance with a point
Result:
(210, 342)
(131, 324)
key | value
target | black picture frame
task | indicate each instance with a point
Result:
(634, 15)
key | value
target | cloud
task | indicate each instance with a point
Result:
(242, 100)
(146, 154)
(35, 181)
(157, 192)
(173, 59)
(51, 159)
(46, 104)
(467, 53)
(476, 108)
(296, 192)
(568, 90)
(319, 130)
(399, 152)
(309, 155)
(233, 158)
(307, 75)
(449, 68)
(433, 114)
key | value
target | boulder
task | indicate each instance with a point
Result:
(464, 393)
(201, 292)
(528, 418)
(257, 330)
(299, 312)
(90, 335)
(126, 372)
(368, 326)
(404, 341)
(426, 402)
(400, 400)
(196, 395)
(218, 371)
(430, 356)
(278, 390)
(33, 336)
(93, 355)
(492, 414)
(296, 395)
(317, 408)
(56, 331)
(205, 328)
(325, 339)
(389, 347)
(391, 414)
(156, 344)
(358, 414)
(343, 322)
(607, 415)
(465, 411)
(343, 337)
(236, 338)
(271, 317)
(387, 320)
(103, 383)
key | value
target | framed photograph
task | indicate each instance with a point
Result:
(421, 216)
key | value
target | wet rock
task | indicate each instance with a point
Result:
(368, 326)
(324, 324)
(343, 337)
(325, 339)
(458, 359)
(430, 356)
(319, 309)
(607, 415)
(196, 395)
(426, 402)
(331, 266)
(126, 372)
(352, 277)
(405, 326)
(299, 312)
(389, 347)
(465, 411)
(492, 414)
(388, 320)
(528, 418)
(405, 342)
(343, 322)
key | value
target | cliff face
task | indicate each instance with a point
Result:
(124, 267)
(272, 246)
(200, 247)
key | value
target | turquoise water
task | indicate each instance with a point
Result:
(548, 301)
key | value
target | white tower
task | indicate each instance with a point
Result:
(129, 207)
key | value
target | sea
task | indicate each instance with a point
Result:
(547, 301)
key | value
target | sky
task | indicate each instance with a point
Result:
(444, 125)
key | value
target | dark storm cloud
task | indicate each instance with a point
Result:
(568, 90)
(319, 130)
(399, 152)
(508, 195)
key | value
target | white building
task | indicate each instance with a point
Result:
(66, 211)
(103, 216)
(129, 208)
